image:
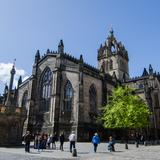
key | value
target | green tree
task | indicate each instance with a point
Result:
(125, 110)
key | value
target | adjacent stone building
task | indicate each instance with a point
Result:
(12, 117)
(65, 94)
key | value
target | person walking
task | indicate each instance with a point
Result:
(49, 140)
(54, 139)
(137, 138)
(111, 144)
(72, 140)
(95, 141)
(27, 140)
(61, 139)
(143, 139)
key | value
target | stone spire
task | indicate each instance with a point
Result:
(150, 70)
(81, 58)
(48, 51)
(111, 32)
(5, 89)
(19, 80)
(37, 57)
(145, 73)
(61, 47)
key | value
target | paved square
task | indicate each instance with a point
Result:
(85, 152)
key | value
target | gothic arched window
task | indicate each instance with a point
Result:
(24, 100)
(93, 99)
(46, 85)
(68, 96)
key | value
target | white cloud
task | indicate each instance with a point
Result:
(5, 69)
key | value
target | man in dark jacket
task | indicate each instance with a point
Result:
(61, 139)
(27, 140)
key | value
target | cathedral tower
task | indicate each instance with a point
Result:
(113, 58)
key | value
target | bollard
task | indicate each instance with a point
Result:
(137, 144)
(126, 146)
(145, 143)
(74, 153)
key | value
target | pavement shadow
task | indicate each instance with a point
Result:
(83, 152)
(107, 152)
(20, 146)
(48, 151)
(35, 152)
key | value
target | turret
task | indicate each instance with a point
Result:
(145, 73)
(150, 70)
(113, 57)
(61, 47)
(81, 58)
(19, 81)
(48, 51)
(5, 89)
(37, 57)
(36, 60)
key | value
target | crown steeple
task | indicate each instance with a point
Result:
(114, 57)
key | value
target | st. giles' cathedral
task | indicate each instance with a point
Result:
(65, 94)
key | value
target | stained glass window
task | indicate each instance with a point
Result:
(68, 95)
(93, 98)
(46, 85)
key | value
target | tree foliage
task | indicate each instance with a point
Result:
(125, 110)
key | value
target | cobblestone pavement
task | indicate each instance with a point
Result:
(84, 152)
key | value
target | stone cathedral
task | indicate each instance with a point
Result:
(65, 94)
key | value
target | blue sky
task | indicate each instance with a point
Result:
(28, 25)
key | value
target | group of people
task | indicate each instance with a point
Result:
(45, 141)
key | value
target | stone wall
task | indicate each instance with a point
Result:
(11, 125)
